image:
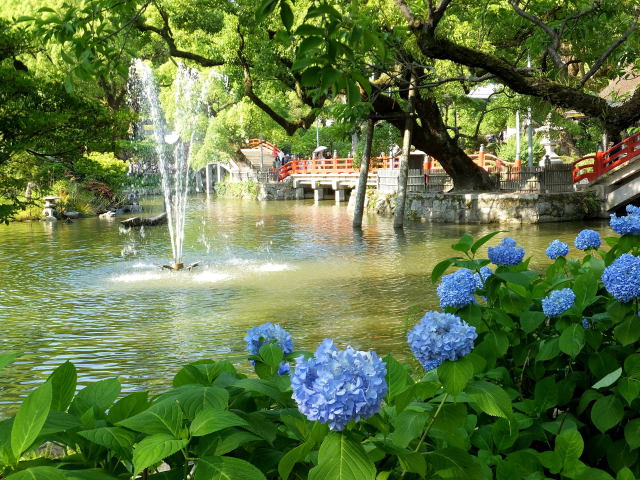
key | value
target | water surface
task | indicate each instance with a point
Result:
(93, 293)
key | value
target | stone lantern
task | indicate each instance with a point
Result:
(550, 157)
(49, 207)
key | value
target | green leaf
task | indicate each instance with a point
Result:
(59, 422)
(490, 398)
(569, 446)
(340, 458)
(308, 45)
(286, 14)
(265, 8)
(407, 427)
(628, 331)
(293, 456)
(629, 389)
(193, 398)
(163, 417)
(116, 439)
(632, 366)
(414, 462)
(549, 349)
(523, 279)
(154, 449)
(572, 340)
(30, 419)
(263, 387)
(464, 244)
(481, 241)
(38, 473)
(226, 468)
(455, 375)
(306, 30)
(7, 358)
(128, 406)
(397, 376)
(632, 433)
(271, 354)
(625, 474)
(440, 268)
(530, 321)
(609, 379)
(233, 439)
(99, 396)
(454, 464)
(212, 420)
(63, 386)
(607, 412)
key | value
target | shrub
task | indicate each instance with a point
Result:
(509, 392)
(102, 167)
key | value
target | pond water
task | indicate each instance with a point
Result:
(93, 293)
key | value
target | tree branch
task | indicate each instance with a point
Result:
(407, 13)
(620, 40)
(174, 51)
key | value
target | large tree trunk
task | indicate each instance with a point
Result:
(401, 198)
(430, 135)
(361, 191)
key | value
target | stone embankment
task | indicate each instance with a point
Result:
(463, 208)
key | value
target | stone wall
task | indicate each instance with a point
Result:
(279, 191)
(493, 208)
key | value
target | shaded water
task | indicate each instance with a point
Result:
(92, 293)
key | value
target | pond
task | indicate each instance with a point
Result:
(92, 292)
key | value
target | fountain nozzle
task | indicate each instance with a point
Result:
(180, 266)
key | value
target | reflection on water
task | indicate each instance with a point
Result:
(94, 293)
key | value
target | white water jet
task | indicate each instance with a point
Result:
(173, 147)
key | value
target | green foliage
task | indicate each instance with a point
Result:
(537, 398)
(248, 189)
(507, 150)
(102, 167)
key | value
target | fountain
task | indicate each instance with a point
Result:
(173, 147)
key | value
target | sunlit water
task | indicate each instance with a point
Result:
(93, 293)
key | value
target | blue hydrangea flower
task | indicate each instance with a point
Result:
(585, 323)
(457, 289)
(439, 337)
(629, 224)
(337, 386)
(587, 239)
(506, 253)
(480, 278)
(558, 302)
(622, 278)
(269, 333)
(557, 249)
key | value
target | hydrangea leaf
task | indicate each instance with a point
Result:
(30, 419)
(572, 340)
(38, 473)
(7, 358)
(629, 389)
(481, 241)
(163, 417)
(632, 433)
(271, 354)
(293, 456)
(455, 375)
(63, 383)
(154, 449)
(408, 426)
(628, 331)
(490, 398)
(211, 420)
(608, 379)
(607, 412)
(341, 458)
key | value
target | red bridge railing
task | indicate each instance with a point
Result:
(591, 167)
(256, 142)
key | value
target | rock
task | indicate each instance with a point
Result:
(72, 214)
(50, 218)
(107, 215)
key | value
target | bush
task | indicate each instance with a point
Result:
(102, 167)
(248, 189)
(511, 392)
(507, 150)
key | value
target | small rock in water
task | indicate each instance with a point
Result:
(50, 218)
(72, 214)
(107, 215)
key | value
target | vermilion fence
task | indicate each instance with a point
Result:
(591, 167)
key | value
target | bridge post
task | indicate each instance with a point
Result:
(299, 193)
(207, 179)
(340, 194)
(318, 193)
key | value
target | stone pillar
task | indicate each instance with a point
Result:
(218, 173)
(299, 193)
(318, 193)
(207, 179)
(340, 195)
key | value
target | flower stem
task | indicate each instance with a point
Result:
(433, 419)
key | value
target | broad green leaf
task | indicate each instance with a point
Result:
(154, 449)
(193, 398)
(286, 14)
(59, 422)
(481, 241)
(490, 398)
(114, 438)
(63, 384)
(414, 462)
(572, 340)
(91, 474)
(38, 473)
(632, 366)
(271, 354)
(454, 464)
(263, 387)
(128, 406)
(440, 268)
(309, 44)
(163, 417)
(523, 279)
(341, 458)
(454, 375)
(530, 321)
(306, 30)
(629, 389)
(233, 439)
(549, 349)
(293, 456)
(265, 8)
(608, 379)
(7, 358)
(632, 433)
(397, 376)
(99, 396)
(226, 468)
(464, 244)
(625, 474)
(628, 331)
(569, 445)
(407, 427)
(546, 394)
(30, 419)
(211, 420)
(607, 412)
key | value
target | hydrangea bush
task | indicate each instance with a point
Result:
(526, 374)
